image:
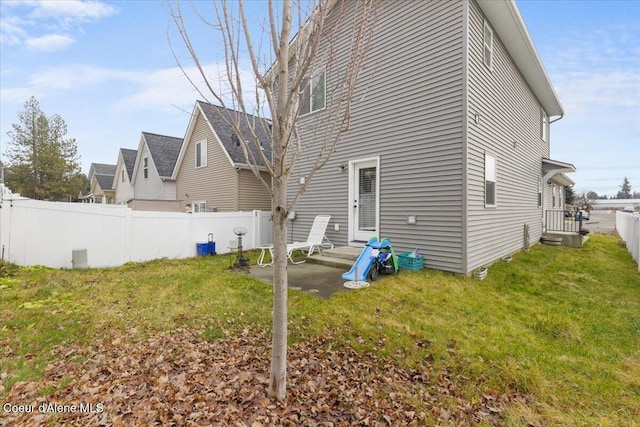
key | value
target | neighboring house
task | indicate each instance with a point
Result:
(155, 161)
(123, 176)
(448, 152)
(212, 173)
(101, 183)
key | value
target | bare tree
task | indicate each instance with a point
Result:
(283, 87)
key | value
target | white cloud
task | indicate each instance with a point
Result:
(155, 90)
(16, 26)
(72, 11)
(11, 30)
(162, 89)
(591, 94)
(49, 43)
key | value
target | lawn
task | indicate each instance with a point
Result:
(552, 338)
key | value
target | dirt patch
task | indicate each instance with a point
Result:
(180, 378)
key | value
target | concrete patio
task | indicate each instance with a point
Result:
(320, 275)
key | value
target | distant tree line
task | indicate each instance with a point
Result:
(624, 193)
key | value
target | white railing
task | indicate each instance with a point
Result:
(628, 226)
(34, 232)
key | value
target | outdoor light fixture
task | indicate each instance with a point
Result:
(342, 167)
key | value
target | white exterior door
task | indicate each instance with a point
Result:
(364, 203)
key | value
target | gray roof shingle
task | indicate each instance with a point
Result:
(164, 151)
(214, 115)
(105, 181)
(129, 157)
(103, 169)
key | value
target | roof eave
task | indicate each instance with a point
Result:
(510, 27)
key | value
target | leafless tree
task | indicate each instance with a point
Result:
(332, 37)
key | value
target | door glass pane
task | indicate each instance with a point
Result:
(367, 199)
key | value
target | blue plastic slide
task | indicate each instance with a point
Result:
(363, 264)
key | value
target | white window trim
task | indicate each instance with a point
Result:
(493, 179)
(540, 195)
(203, 154)
(487, 46)
(145, 167)
(322, 73)
(201, 206)
(544, 124)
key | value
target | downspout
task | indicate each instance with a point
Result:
(553, 121)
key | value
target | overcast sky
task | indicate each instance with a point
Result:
(106, 67)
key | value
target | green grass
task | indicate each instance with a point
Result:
(557, 323)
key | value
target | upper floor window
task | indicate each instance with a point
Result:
(314, 93)
(145, 167)
(201, 154)
(488, 45)
(122, 172)
(544, 125)
(490, 178)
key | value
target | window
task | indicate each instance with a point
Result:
(490, 174)
(488, 45)
(314, 94)
(199, 206)
(553, 198)
(145, 167)
(540, 192)
(201, 154)
(544, 124)
(122, 175)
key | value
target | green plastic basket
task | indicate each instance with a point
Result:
(405, 262)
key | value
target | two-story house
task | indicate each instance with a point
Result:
(152, 172)
(212, 173)
(449, 149)
(101, 183)
(123, 176)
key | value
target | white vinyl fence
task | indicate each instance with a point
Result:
(628, 226)
(34, 232)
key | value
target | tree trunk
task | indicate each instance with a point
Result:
(278, 378)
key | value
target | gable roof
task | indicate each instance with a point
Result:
(105, 181)
(100, 169)
(129, 158)
(225, 136)
(215, 115)
(164, 152)
(103, 169)
(103, 173)
(509, 25)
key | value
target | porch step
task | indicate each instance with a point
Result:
(330, 261)
(345, 252)
(551, 240)
(339, 257)
(564, 238)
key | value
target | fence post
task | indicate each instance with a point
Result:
(256, 229)
(127, 230)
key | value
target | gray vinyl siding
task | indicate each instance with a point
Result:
(216, 183)
(412, 119)
(509, 114)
